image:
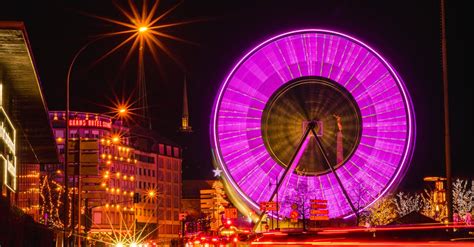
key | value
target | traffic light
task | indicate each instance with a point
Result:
(136, 197)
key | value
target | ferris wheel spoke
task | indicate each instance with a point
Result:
(290, 167)
(328, 163)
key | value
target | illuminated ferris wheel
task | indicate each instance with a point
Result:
(312, 107)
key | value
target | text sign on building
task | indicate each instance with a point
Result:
(268, 206)
(90, 123)
(8, 151)
(294, 216)
(319, 210)
(319, 218)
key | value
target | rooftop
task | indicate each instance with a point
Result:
(30, 113)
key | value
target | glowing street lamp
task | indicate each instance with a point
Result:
(151, 194)
(122, 111)
(115, 139)
(142, 29)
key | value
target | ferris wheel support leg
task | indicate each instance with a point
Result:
(326, 159)
(291, 166)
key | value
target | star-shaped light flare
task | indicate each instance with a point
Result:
(217, 172)
(144, 29)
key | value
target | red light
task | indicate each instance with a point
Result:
(229, 222)
(214, 239)
(235, 239)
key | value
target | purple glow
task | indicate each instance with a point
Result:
(387, 117)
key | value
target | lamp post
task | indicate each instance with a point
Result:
(447, 136)
(66, 149)
(122, 111)
(153, 196)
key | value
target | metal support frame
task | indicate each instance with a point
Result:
(291, 165)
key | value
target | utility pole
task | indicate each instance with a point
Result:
(277, 206)
(447, 137)
(79, 196)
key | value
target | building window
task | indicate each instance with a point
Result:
(168, 150)
(97, 218)
(162, 148)
(176, 152)
(95, 134)
(160, 163)
(73, 134)
(59, 133)
(175, 215)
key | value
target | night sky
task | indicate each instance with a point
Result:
(407, 33)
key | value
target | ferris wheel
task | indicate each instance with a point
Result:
(312, 107)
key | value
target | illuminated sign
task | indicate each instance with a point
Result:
(8, 136)
(90, 123)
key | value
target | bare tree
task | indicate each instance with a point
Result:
(300, 197)
(359, 194)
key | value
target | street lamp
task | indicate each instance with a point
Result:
(116, 139)
(141, 26)
(151, 195)
(122, 111)
(142, 29)
(66, 148)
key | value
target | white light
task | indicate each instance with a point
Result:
(133, 245)
(119, 245)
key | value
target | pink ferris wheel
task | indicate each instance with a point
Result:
(316, 108)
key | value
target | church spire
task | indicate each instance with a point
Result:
(185, 127)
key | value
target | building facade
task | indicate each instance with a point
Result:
(29, 189)
(159, 183)
(107, 161)
(127, 164)
(26, 139)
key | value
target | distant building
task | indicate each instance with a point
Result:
(26, 138)
(159, 184)
(205, 198)
(108, 166)
(191, 201)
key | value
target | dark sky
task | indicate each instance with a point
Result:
(407, 33)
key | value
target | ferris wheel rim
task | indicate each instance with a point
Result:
(407, 101)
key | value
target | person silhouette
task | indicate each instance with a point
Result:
(468, 218)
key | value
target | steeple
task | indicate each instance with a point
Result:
(185, 127)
